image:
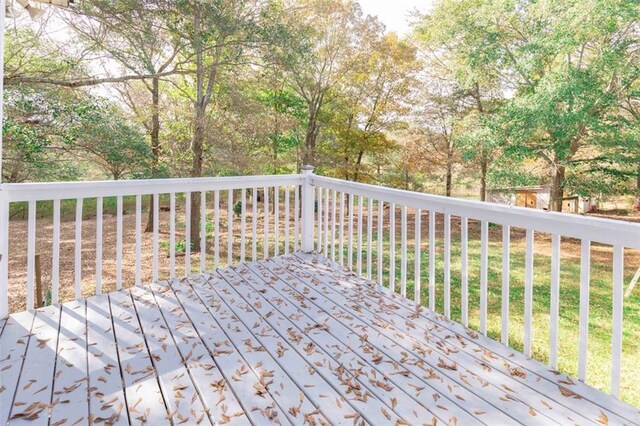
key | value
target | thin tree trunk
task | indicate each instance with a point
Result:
(155, 142)
(557, 188)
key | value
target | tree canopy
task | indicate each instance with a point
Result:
(481, 93)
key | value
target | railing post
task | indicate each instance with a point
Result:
(307, 209)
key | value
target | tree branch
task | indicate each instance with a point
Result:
(89, 81)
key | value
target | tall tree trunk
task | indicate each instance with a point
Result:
(557, 188)
(196, 171)
(198, 130)
(155, 142)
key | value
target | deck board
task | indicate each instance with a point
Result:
(107, 402)
(275, 379)
(294, 339)
(70, 387)
(33, 393)
(244, 381)
(180, 394)
(145, 402)
(201, 366)
(13, 345)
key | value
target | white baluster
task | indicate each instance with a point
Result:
(380, 254)
(4, 255)
(350, 233)
(528, 292)
(156, 248)
(555, 301)
(506, 241)
(583, 324)
(287, 223)
(216, 229)
(99, 245)
(55, 274)
(464, 276)
(276, 220)
(78, 250)
(484, 268)
(138, 240)
(119, 242)
(187, 234)
(392, 247)
(341, 235)
(243, 224)
(616, 337)
(447, 265)
(31, 255)
(296, 220)
(266, 222)
(432, 260)
(369, 235)
(326, 223)
(230, 227)
(333, 225)
(203, 231)
(254, 224)
(359, 243)
(319, 220)
(416, 266)
(403, 245)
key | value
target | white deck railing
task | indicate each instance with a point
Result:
(211, 192)
(310, 212)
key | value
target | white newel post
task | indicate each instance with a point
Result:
(307, 209)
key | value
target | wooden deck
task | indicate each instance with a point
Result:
(291, 340)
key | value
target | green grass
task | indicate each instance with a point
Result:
(600, 310)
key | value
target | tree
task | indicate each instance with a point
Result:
(327, 41)
(134, 34)
(217, 35)
(371, 104)
(449, 37)
(102, 131)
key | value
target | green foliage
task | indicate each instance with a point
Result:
(237, 209)
(558, 79)
(101, 129)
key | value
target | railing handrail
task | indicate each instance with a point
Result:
(17, 192)
(600, 230)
